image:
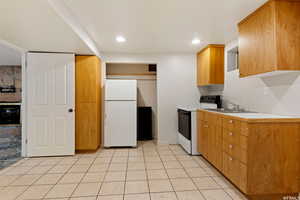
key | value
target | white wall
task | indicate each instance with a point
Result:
(9, 56)
(278, 94)
(128, 69)
(176, 85)
(147, 96)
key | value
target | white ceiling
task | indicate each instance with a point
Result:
(152, 26)
(33, 25)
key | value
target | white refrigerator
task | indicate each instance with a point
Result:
(120, 124)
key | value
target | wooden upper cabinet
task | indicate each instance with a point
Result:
(87, 79)
(210, 65)
(269, 38)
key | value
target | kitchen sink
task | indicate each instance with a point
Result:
(222, 110)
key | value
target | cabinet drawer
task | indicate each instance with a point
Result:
(231, 149)
(231, 136)
(231, 124)
(235, 151)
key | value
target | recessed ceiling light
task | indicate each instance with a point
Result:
(196, 41)
(120, 39)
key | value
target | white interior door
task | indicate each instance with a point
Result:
(50, 96)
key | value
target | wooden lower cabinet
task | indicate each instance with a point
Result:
(260, 157)
(210, 139)
(87, 130)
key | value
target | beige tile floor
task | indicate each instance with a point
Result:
(149, 172)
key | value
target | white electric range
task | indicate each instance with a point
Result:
(187, 122)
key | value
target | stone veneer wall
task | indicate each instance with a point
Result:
(11, 76)
(10, 145)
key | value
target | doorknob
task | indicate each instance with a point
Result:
(70, 110)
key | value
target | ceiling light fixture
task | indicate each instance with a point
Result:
(120, 39)
(196, 41)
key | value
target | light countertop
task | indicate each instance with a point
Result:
(258, 117)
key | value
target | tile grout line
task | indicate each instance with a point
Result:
(221, 188)
(146, 171)
(63, 174)
(184, 168)
(124, 191)
(105, 171)
(185, 172)
(144, 147)
(168, 174)
(194, 181)
(28, 186)
(77, 184)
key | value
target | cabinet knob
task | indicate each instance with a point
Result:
(230, 146)
(230, 158)
(206, 126)
(231, 134)
(230, 121)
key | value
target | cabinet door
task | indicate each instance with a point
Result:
(257, 42)
(87, 135)
(219, 143)
(212, 153)
(202, 137)
(203, 59)
(87, 79)
(200, 132)
(88, 103)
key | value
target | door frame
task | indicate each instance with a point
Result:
(24, 105)
(129, 60)
(23, 53)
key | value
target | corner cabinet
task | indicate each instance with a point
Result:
(88, 103)
(210, 65)
(269, 39)
(260, 157)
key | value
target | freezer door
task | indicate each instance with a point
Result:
(124, 90)
(120, 124)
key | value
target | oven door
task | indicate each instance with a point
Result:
(184, 123)
(9, 114)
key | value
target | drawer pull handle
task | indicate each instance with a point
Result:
(205, 126)
(231, 134)
(230, 146)
(230, 121)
